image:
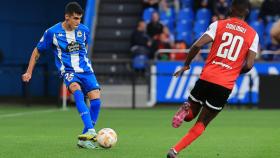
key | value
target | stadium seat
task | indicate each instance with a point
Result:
(139, 61)
(185, 36)
(269, 19)
(168, 19)
(184, 26)
(185, 14)
(168, 15)
(267, 56)
(200, 27)
(259, 27)
(267, 40)
(147, 14)
(169, 24)
(254, 15)
(203, 14)
(186, 3)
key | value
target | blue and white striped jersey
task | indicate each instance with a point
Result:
(69, 48)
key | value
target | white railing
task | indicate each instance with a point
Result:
(263, 52)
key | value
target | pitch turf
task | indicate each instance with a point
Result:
(46, 133)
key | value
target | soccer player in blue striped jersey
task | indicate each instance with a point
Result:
(68, 41)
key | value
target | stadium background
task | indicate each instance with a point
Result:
(30, 116)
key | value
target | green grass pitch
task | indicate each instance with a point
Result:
(39, 132)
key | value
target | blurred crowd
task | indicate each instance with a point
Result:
(176, 24)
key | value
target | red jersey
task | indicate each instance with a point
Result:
(232, 40)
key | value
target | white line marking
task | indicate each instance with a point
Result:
(29, 113)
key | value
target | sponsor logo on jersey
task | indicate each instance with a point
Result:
(73, 47)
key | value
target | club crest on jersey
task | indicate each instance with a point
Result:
(79, 33)
(73, 47)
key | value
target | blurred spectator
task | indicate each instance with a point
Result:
(151, 3)
(140, 43)
(154, 28)
(220, 9)
(275, 33)
(256, 3)
(175, 4)
(270, 10)
(166, 39)
(179, 55)
(167, 15)
(203, 4)
(274, 45)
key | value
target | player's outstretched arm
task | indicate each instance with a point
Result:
(249, 62)
(34, 57)
(195, 48)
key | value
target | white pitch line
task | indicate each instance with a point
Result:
(29, 113)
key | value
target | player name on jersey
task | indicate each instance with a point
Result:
(236, 27)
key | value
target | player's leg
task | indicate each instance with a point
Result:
(194, 110)
(187, 112)
(92, 89)
(81, 106)
(205, 117)
(190, 109)
(215, 98)
(72, 81)
(85, 140)
(95, 103)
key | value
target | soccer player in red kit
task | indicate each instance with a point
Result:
(234, 48)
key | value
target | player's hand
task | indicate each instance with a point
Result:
(181, 71)
(26, 77)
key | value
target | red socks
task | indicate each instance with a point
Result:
(193, 133)
(190, 116)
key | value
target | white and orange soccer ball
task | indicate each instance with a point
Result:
(107, 137)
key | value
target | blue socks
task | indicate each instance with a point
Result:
(83, 109)
(94, 110)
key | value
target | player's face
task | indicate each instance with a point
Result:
(74, 20)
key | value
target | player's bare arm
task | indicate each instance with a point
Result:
(249, 62)
(194, 50)
(33, 59)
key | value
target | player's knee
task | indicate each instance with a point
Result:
(94, 94)
(74, 86)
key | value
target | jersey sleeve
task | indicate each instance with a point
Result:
(255, 44)
(45, 42)
(211, 31)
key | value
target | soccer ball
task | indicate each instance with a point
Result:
(107, 137)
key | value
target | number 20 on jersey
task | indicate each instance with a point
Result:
(235, 43)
